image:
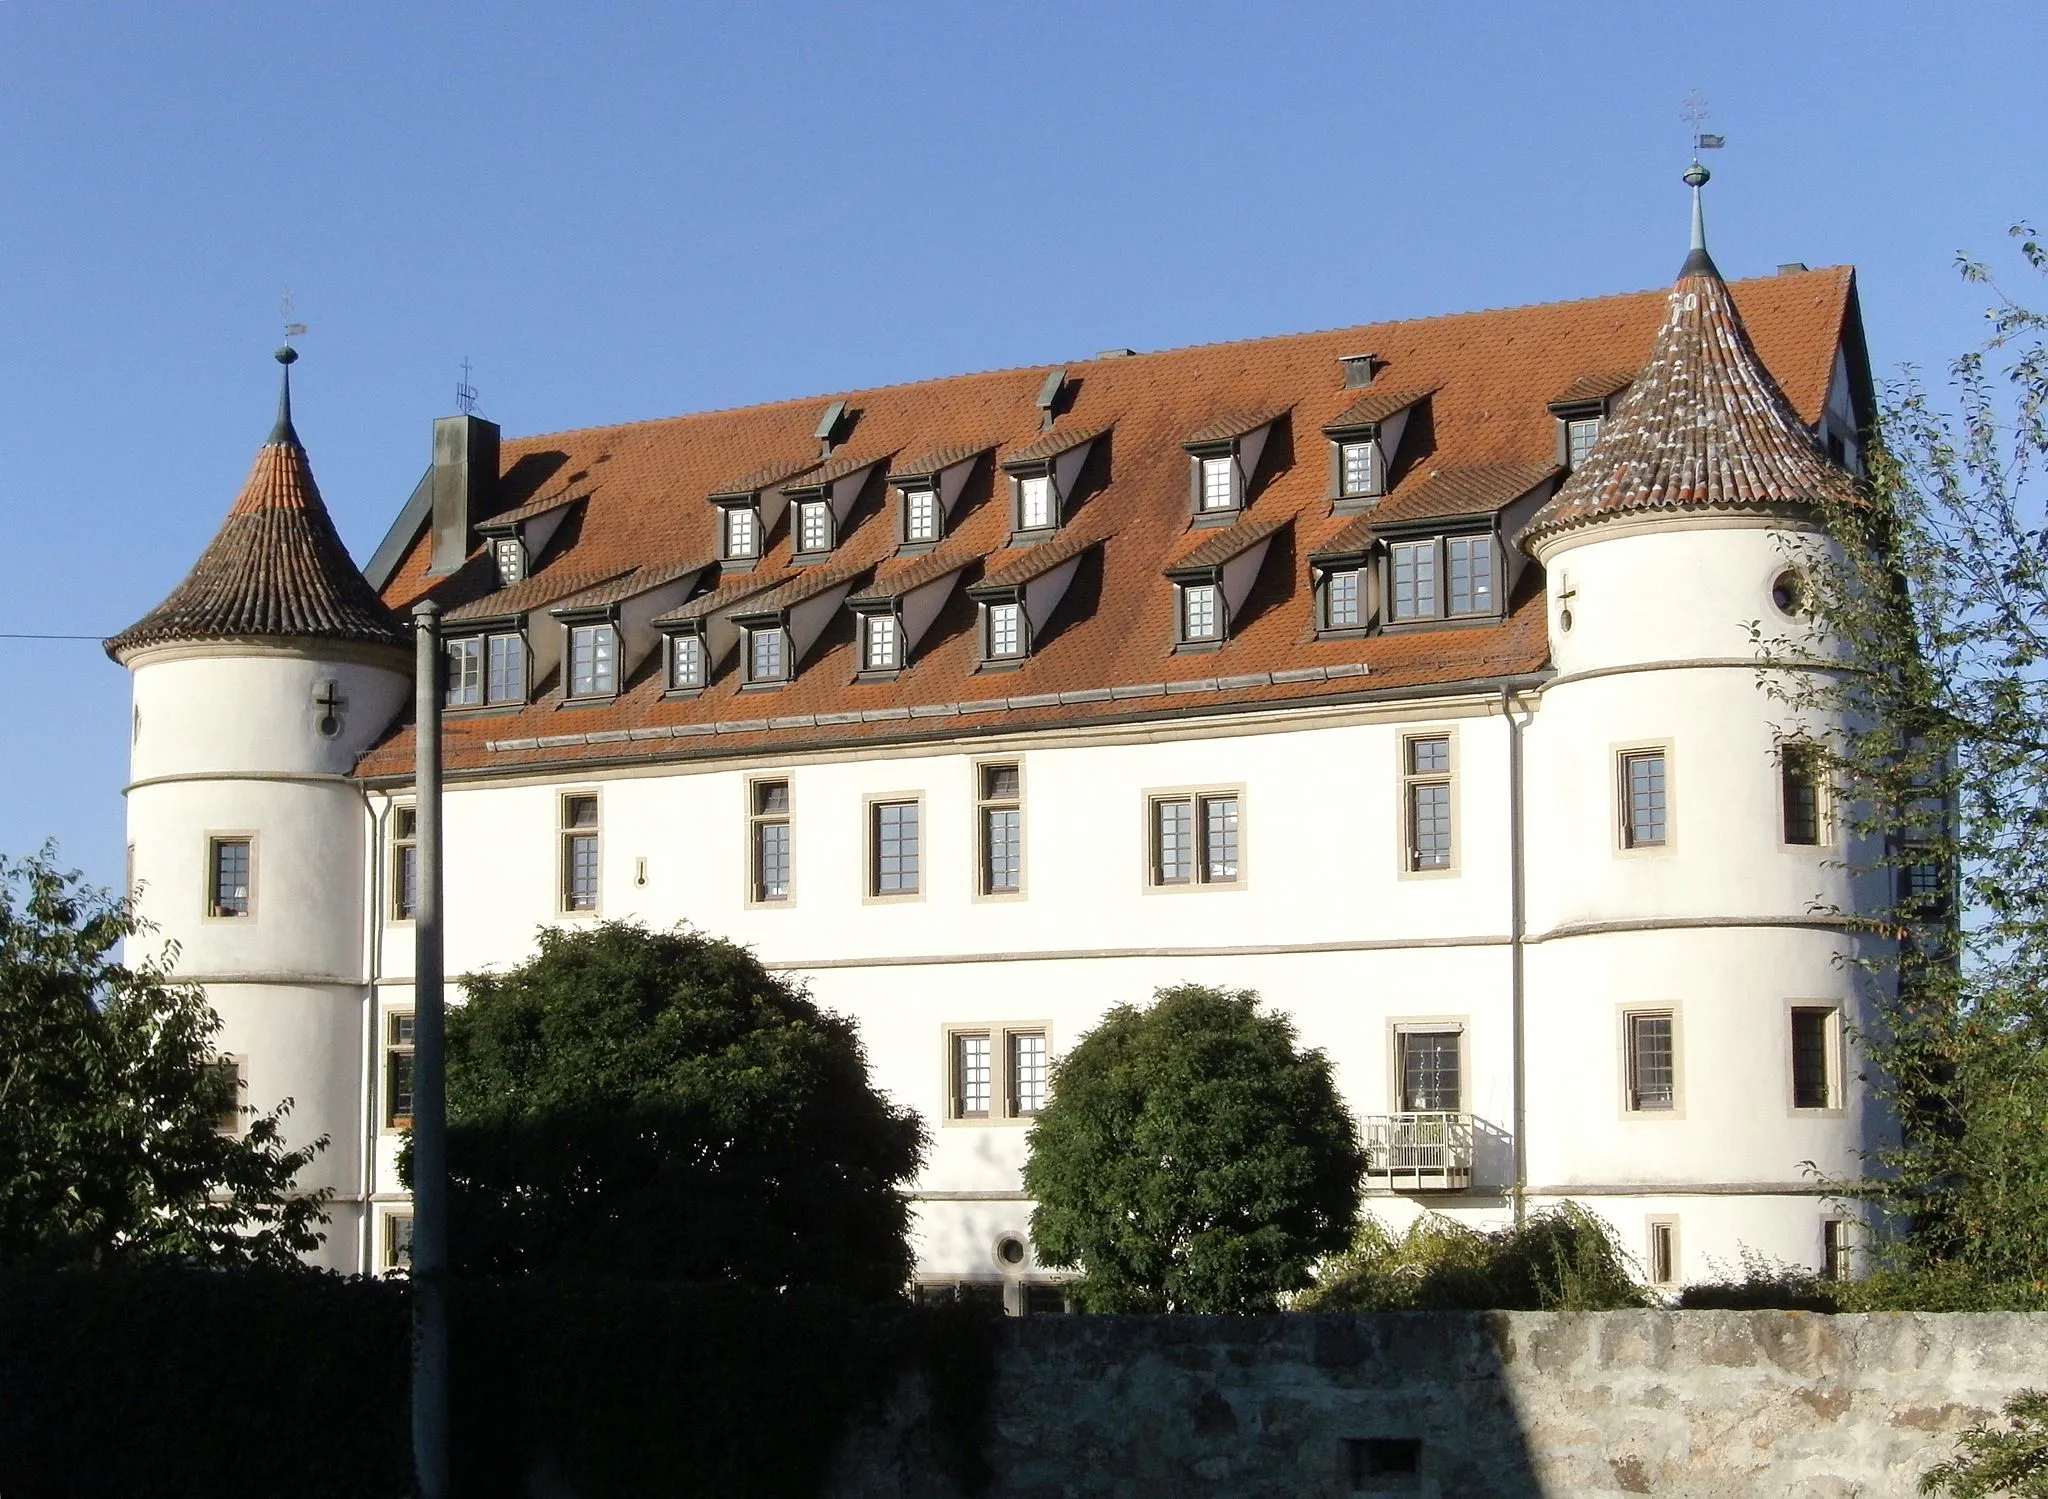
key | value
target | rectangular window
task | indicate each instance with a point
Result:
(398, 1244)
(1343, 606)
(579, 853)
(505, 669)
(973, 1076)
(1834, 1249)
(1813, 1061)
(1652, 1062)
(894, 848)
(228, 1070)
(742, 532)
(1219, 484)
(1799, 786)
(398, 1045)
(814, 526)
(1201, 612)
(1414, 569)
(1663, 1252)
(920, 515)
(593, 661)
(1034, 502)
(1360, 469)
(1644, 804)
(1471, 574)
(1427, 794)
(1002, 830)
(1431, 1074)
(1028, 1073)
(465, 673)
(769, 823)
(767, 661)
(511, 554)
(230, 861)
(687, 666)
(1195, 840)
(1580, 436)
(1005, 631)
(882, 638)
(405, 863)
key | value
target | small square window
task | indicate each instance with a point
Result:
(1201, 612)
(767, 654)
(814, 526)
(893, 848)
(1431, 1071)
(1005, 631)
(920, 515)
(232, 862)
(1645, 806)
(465, 673)
(593, 661)
(742, 532)
(1652, 1062)
(882, 642)
(1343, 599)
(1218, 484)
(688, 667)
(1034, 503)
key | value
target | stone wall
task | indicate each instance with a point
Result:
(1460, 1405)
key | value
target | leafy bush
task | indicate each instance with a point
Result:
(1953, 1286)
(1561, 1259)
(1998, 1457)
(1192, 1158)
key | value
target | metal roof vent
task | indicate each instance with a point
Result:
(1360, 368)
(1049, 397)
(828, 432)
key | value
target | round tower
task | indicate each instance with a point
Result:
(256, 683)
(1688, 1019)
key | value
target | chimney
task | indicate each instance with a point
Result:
(465, 483)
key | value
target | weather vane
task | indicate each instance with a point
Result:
(1695, 113)
(465, 393)
(285, 308)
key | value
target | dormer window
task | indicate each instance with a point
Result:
(511, 558)
(1218, 484)
(1201, 612)
(881, 642)
(742, 533)
(1442, 578)
(486, 669)
(1034, 503)
(1361, 472)
(767, 654)
(921, 516)
(593, 661)
(1580, 434)
(689, 665)
(1582, 409)
(814, 527)
(1223, 463)
(1344, 599)
(1005, 632)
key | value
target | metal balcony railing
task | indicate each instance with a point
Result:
(1425, 1152)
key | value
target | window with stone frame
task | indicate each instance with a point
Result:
(230, 871)
(1001, 811)
(405, 863)
(1651, 1037)
(768, 841)
(895, 855)
(579, 854)
(1195, 839)
(1426, 800)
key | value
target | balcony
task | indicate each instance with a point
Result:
(1418, 1152)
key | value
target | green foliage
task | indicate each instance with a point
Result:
(160, 1384)
(1935, 1286)
(111, 1100)
(1998, 1457)
(1927, 617)
(1192, 1159)
(657, 1105)
(1561, 1259)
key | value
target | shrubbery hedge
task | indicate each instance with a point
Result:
(168, 1384)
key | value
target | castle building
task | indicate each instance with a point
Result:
(1401, 673)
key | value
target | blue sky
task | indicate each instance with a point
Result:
(626, 211)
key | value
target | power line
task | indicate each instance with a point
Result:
(20, 635)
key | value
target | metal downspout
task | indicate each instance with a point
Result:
(1517, 950)
(366, 1239)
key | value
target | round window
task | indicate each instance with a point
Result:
(1788, 592)
(1010, 1251)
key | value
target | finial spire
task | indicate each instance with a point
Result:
(284, 432)
(1698, 261)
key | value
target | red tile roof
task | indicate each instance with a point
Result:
(1475, 489)
(276, 569)
(1594, 387)
(1704, 425)
(1231, 541)
(1226, 427)
(911, 573)
(536, 592)
(730, 591)
(936, 460)
(1059, 440)
(1492, 374)
(1377, 406)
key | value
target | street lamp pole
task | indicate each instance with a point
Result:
(430, 1092)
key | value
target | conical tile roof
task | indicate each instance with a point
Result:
(276, 569)
(1703, 426)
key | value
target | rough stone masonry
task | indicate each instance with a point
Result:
(1462, 1405)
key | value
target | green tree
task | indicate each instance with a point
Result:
(1925, 606)
(1192, 1158)
(112, 1098)
(657, 1105)
(1998, 1457)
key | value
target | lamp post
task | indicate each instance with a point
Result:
(430, 1093)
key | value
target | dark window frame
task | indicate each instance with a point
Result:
(1441, 612)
